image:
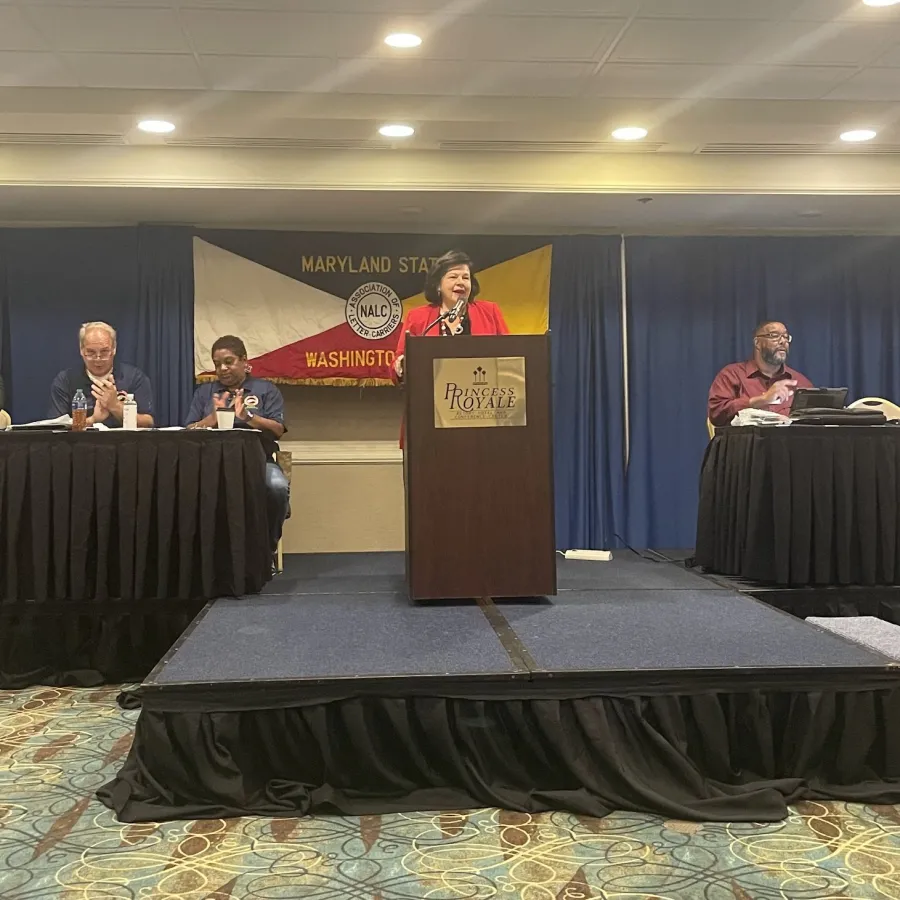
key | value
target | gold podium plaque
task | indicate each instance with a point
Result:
(486, 392)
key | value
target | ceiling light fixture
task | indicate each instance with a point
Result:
(630, 133)
(881, 2)
(858, 135)
(156, 126)
(403, 40)
(396, 131)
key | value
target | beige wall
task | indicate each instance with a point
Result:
(347, 482)
(342, 414)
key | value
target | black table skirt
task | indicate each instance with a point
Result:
(802, 505)
(132, 516)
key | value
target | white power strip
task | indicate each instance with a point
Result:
(596, 555)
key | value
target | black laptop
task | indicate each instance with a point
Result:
(819, 398)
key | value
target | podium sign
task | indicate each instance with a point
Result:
(483, 392)
(479, 467)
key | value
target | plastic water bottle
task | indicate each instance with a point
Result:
(129, 413)
(79, 411)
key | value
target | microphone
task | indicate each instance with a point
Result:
(454, 313)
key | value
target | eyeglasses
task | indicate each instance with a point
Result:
(92, 354)
(776, 336)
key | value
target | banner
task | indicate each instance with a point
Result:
(327, 308)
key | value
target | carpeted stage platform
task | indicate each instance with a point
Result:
(641, 686)
(880, 601)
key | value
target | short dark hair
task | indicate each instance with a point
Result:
(440, 267)
(229, 342)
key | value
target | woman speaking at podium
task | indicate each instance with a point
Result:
(451, 290)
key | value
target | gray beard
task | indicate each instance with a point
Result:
(770, 359)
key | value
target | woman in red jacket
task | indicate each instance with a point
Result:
(451, 290)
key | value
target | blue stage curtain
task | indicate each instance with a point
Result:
(586, 340)
(693, 305)
(140, 280)
(5, 360)
(57, 279)
(165, 318)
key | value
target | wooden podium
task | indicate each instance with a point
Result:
(479, 467)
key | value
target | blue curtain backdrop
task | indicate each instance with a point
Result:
(586, 341)
(5, 362)
(165, 318)
(693, 305)
(140, 280)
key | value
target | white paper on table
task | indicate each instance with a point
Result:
(61, 420)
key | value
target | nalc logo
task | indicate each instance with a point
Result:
(374, 311)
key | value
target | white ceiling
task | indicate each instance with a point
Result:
(449, 211)
(734, 75)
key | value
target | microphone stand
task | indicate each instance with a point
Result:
(451, 314)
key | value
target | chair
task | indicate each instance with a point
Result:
(285, 462)
(5, 420)
(711, 429)
(890, 410)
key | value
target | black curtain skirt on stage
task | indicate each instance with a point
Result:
(803, 505)
(110, 543)
(741, 756)
(87, 644)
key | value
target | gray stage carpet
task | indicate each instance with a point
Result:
(332, 617)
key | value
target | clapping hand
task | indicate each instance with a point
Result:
(106, 399)
(239, 409)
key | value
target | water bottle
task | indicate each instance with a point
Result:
(79, 411)
(129, 413)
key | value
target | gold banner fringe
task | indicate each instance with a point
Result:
(320, 382)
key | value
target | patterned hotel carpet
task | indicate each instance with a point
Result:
(56, 841)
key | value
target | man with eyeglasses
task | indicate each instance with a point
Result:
(763, 382)
(104, 382)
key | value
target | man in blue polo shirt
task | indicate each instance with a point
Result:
(257, 404)
(103, 381)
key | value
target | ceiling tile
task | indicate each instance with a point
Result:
(456, 77)
(834, 10)
(16, 33)
(702, 41)
(135, 70)
(778, 82)
(643, 80)
(827, 43)
(77, 28)
(238, 33)
(870, 84)
(440, 7)
(257, 73)
(891, 58)
(33, 70)
(536, 38)
(770, 10)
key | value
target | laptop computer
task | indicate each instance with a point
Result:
(819, 398)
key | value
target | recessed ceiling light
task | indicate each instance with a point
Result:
(403, 40)
(858, 135)
(631, 133)
(156, 126)
(396, 131)
(881, 2)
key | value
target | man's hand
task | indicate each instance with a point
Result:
(398, 367)
(779, 393)
(106, 401)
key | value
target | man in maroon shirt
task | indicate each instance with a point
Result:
(763, 382)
